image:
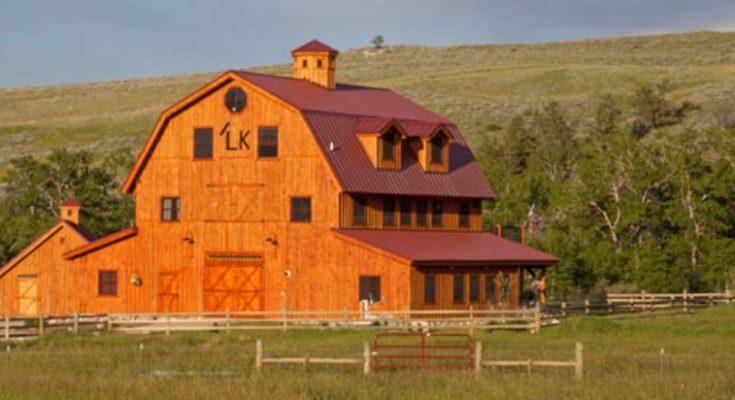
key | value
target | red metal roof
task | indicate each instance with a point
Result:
(371, 124)
(357, 174)
(345, 99)
(450, 248)
(315, 46)
(70, 202)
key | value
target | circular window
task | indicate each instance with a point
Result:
(235, 99)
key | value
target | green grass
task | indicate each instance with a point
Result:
(472, 85)
(622, 361)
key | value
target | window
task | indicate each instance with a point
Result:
(437, 208)
(389, 211)
(304, 63)
(107, 283)
(318, 63)
(358, 211)
(301, 209)
(170, 209)
(464, 214)
(203, 143)
(405, 212)
(370, 288)
(458, 289)
(421, 208)
(490, 288)
(388, 142)
(429, 289)
(235, 99)
(474, 288)
(267, 142)
(437, 149)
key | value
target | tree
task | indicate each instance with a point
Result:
(607, 115)
(654, 109)
(519, 144)
(378, 41)
(35, 188)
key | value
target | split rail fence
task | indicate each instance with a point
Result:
(530, 319)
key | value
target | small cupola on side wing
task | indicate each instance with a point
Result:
(382, 140)
(430, 142)
(69, 211)
(317, 63)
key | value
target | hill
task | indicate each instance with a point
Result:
(473, 85)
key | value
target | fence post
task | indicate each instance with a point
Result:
(536, 320)
(579, 361)
(346, 317)
(284, 311)
(76, 323)
(227, 319)
(472, 320)
(140, 358)
(686, 304)
(367, 355)
(586, 306)
(258, 355)
(109, 322)
(40, 325)
(168, 324)
(478, 358)
(7, 327)
(728, 295)
(609, 307)
(563, 309)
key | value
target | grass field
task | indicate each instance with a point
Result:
(622, 361)
(472, 85)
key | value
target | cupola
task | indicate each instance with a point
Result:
(69, 211)
(317, 63)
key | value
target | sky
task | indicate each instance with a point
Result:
(46, 42)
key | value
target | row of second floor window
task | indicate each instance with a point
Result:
(300, 209)
(267, 142)
(409, 213)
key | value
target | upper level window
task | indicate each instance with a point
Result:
(405, 212)
(267, 142)
(464, 214)
(421, 209)
(437, 209)
(370, 288)
(389, 211)
(170, 209)
(203, 148)
(107, 283)
(359, 212)
(235, 99)
(389, 147)
(304, 63)
(437, 149)
(301, 209)
(319, 63)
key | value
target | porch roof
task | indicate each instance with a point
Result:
(427, 248)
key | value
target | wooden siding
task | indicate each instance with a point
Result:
(55, 277)
(444, 278)
(374, 213)
(323, 75)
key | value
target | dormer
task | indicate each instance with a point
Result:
(317, 63)
(381, 138)
(430, 142)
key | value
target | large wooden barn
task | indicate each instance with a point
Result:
(261, 192)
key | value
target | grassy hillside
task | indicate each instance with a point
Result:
(622, 360)
(472, 85)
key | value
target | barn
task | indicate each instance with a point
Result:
(260, 192)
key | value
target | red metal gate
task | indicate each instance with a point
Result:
(422, 351)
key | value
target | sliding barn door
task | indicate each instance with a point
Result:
(233, 282)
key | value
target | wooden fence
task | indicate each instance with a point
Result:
(636, 303)
(530, 320)
(577, 365)
(261, 359)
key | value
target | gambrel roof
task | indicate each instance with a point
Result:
(332, 116)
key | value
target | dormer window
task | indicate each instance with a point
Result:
(437, 149)
(389, 147)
